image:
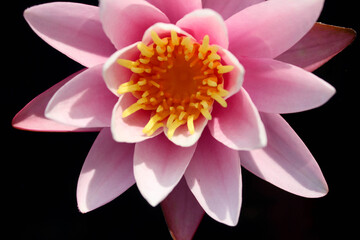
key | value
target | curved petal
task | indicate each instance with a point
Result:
(124, 22)
(182, 212)
(239, 125)
(227, 8)
(158, 167)
(214, 177)
(32, 116)
(205, 22)
(72, 28)
(285, 161)
(129, 129)
(278, 87)
(270, 28)
(175, 9)
(84, 101)
(318, 46)
(107, 172)
(113, 73)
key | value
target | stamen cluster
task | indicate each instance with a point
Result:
(177, 79)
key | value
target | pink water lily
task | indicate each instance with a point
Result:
(183, 142)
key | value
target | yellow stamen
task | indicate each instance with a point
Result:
(190, 124)
(225, 69)
(145, 50)
(132, 109)
(177, 79)
(157, 40)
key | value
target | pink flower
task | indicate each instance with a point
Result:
(183, 142)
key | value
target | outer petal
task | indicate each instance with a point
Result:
(175, 9)
(114, 74)
(107, 172)
(182, 212)
(279, 87)
(125, 22)
(239, 125)
(227, 8)
(129, 129)
(84, 101)
(72, 28)
(270, 28)
(318, 46)
(205, 22)
(285, 161)
(158, 167)
(214, 177)
(32, 116)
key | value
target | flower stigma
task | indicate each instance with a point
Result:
(177, 79)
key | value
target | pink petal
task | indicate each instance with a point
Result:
(270, 28)
(234, 79)
(125, 22)
(175, 9)
(279, 87)
(239, 125)
(285, 161)
(227, 8)
(318, 46)
(214, 177)
(182, 212)
(107, 172)
(32, 116)
(129, 129)
(72, 28)
(84, 101)
(205, 22)
(158, 167)
(113, 73)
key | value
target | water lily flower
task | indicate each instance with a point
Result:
(183, 94)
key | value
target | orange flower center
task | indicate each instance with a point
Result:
(177, 79)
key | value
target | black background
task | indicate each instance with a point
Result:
(40, 170)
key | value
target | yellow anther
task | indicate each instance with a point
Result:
(225, 69)
(144, 60)
(132, 109)
(170, 120)
(182, 115)
(145, 50)
(125, 88)
(174, 38)
(206, 113)
(177, 123)
(160, 108)
(157, 40)
(190, 124)
(155, 84)
(204, 104)
(160, 50)
(204, 47)
(219, 99)
(154, 128)
(127, 63)
(137, 70)
(151, 123)
(142, 82)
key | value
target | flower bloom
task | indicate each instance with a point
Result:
(184, 93)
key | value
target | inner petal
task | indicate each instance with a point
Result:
(176, 78)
